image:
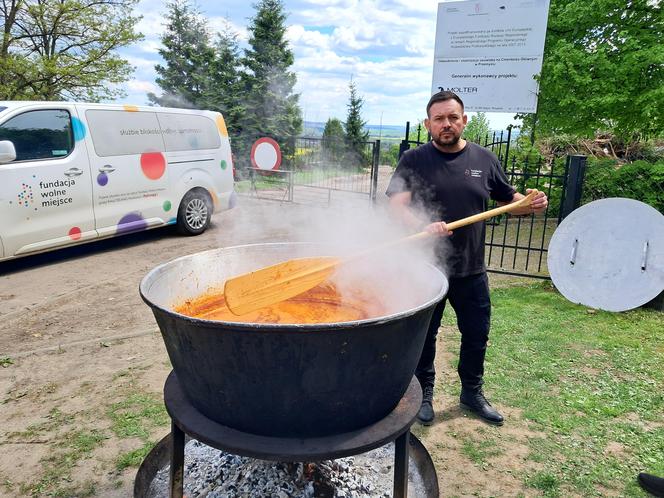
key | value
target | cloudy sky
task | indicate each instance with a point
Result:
(386, 46)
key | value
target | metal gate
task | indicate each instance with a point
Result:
(314, 170)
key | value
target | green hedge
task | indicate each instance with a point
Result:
(640, 180)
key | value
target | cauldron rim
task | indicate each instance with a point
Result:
(281, 327)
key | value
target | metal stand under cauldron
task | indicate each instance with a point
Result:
(186, 420)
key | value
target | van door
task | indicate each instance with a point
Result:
(45, 193)
(130, 188)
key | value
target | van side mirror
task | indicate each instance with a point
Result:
(7, 152)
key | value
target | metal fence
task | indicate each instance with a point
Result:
(518, 245)
(497, 142)
(313, 170)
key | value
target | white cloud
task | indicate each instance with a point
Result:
(219, 24)
(298, 36)
(141, 64)
(138, 86)
(385, 45)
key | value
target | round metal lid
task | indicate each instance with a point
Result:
(609, 254)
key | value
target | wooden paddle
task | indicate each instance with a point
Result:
(282, 281)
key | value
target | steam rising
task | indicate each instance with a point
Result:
(398, 274)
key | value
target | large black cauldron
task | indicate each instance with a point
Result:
(291, 380)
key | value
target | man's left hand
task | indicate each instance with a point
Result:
(539, 202)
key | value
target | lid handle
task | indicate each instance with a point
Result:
(572, 257)
(644, 260)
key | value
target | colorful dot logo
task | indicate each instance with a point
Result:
(131, 222)
(223, 164)
(153, 165)
(167, 206)
(25, 197)
(102, 179)
(75, 233)
(79, 128)
(221, 126)
(215, 199)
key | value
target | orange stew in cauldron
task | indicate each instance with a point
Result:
(322, 304)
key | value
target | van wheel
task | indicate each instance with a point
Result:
(194, 213)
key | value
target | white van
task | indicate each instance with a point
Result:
(72, 173)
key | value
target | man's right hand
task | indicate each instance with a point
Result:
(438, 228)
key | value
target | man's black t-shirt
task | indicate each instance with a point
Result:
(451, 186)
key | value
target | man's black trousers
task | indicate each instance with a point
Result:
(469, 297)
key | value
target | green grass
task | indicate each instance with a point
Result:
(70, 448)
(6, 361)
(137, 416)
(135, 457)
(308, 177)
(480, 451)
(590, 382)
(54, 420)
(262, 183)
(72, 438)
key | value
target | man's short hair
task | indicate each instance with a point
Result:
(443, 96)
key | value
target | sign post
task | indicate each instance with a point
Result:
(489, 51)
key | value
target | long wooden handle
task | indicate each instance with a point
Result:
(507, 208)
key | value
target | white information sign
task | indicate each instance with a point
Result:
(488, 52)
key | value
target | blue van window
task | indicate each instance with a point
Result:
(119, 133)
(42, 134)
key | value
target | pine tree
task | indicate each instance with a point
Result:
(271, 106)
(224, 93)
(185, 77)
(356, 136)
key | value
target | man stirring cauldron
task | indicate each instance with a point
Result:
(449, 179)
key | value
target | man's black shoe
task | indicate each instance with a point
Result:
(475, 402)
(426, 415)
(652, 484)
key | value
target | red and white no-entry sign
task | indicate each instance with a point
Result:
(265, 154)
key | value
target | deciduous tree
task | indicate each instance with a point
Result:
(603, 69)
(333, 139)
(65, 49)
(477, 128)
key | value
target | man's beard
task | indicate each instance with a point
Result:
(453, 140)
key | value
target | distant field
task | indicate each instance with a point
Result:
(315, 129)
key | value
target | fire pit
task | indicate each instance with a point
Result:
(292, 380)
(410, 459)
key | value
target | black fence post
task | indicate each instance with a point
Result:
(404, 145)
(576, 167)
(374, 169)
(507, 145)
